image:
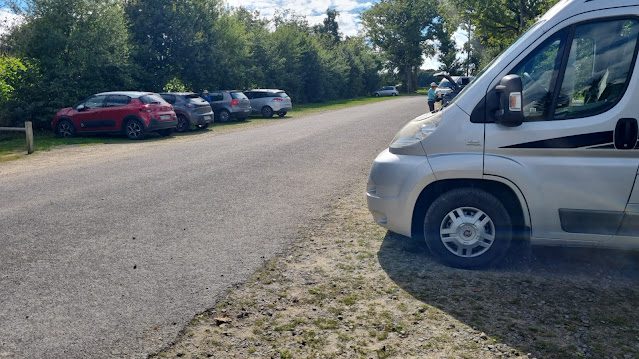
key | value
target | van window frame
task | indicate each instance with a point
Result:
(482, 111)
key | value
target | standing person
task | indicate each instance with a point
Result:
(206, 96)
(432, 97)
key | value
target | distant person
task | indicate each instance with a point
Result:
(206, 96)
(432, 97)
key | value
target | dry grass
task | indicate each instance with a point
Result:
(348, 289)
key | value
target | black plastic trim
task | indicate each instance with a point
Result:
(576, 141)
(590, 221)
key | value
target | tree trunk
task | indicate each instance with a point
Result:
(522, 15)
(408, 73)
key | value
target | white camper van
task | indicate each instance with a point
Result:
(542, 146)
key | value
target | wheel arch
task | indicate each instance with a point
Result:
(507, 192)
(63, 118)
(129, 118)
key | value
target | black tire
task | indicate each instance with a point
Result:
(477, 249)
(166, 132)
(183, 124)
(134, 129)
(267, 112)
(281, 114)
(376, 94)
(65, 129)
(223, 116)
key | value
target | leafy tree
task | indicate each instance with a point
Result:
(330, 27)
(12, 72)
(446, 48)
(77, 47)
(496, 23)
(399, 28)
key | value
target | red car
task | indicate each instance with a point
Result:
(132, 113)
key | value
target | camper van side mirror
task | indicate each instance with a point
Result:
(509, 91)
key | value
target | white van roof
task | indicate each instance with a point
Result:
(569, 8)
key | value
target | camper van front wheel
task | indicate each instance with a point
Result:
(468, 228)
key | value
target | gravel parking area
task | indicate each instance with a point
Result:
(349, 289)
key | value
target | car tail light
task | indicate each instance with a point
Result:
(145, 108)
(278, 99)
(235, 102)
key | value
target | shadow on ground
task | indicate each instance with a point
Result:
(557, 302)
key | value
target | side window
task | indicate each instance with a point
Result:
(117, 100)
(538, 72)
(169, 98)
(94, 102)
(598, 68)
(249, 95)
(216, 96)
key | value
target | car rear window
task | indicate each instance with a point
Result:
(282, 94)
(195, 99)
(238, 95)
(152, 99)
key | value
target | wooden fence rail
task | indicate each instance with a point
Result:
(27, 129)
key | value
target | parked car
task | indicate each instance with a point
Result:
(267, 102)
(229, 104)
(132, 113)
(386, 91)
(450, 87)
(541, 147)
(447, 84)
(192, 111)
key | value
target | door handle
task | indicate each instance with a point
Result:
(626, 133)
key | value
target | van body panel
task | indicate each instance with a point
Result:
(568, 165)
(456, 134)
(394, 184)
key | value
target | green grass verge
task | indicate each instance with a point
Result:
(13, 145)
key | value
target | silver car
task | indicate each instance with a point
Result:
(229, 104)
(386, 91)
(192, 110)
(267, 102)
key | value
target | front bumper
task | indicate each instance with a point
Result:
(394, 184)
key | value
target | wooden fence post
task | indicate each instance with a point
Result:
(28, 129)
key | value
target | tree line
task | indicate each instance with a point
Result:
(64, 50)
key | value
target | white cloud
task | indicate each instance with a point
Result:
(7, 20)
(314, 10)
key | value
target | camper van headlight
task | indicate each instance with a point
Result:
(415, 131)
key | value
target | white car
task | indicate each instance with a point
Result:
(542, 146)
(386, 91)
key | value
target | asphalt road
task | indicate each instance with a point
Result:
(108, 251)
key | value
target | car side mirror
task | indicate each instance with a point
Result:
(510, 94)
(81, 108)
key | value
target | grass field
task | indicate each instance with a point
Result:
(13, 146)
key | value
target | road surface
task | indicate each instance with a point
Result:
(109, 250)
